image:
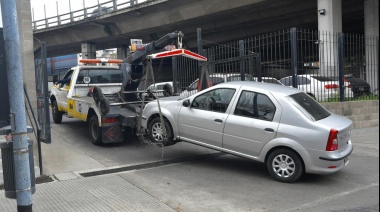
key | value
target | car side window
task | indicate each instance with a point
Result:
(255, 105)
(216, 100)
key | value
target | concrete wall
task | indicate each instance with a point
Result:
(364, 114)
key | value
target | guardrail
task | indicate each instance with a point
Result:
(86, 12)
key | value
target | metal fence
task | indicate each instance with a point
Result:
(82, 14)
(327, 66)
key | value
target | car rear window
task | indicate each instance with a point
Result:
(323, 78)
(309, 106)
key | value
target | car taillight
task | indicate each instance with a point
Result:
(331, 86)
(332, 142)
(349, 85)
(109, 120)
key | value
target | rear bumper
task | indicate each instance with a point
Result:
(323, 162)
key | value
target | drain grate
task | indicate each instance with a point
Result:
(150, 165)
(39, 180)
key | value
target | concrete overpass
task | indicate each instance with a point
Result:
(220, 21)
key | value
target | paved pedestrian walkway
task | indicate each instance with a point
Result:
(102, 193)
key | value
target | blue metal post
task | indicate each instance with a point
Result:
(17, 106)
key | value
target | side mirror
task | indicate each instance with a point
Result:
(55, 78)
(189, 89)
(186, 103)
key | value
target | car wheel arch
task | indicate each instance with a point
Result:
(285, 144)
(284, 147)
(157, 115)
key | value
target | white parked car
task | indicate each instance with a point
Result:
(280, 126)
(319, 87)
(220, 78)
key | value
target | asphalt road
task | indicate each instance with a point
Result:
(218, 182)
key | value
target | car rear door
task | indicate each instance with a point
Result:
(203, 122)
(254, 122)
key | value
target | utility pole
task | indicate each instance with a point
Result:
(17, 106)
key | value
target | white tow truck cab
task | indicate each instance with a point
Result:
(73, 96)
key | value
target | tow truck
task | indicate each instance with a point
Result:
(106, 96)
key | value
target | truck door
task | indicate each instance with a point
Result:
(64, 87)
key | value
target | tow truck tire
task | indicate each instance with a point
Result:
(97, 94)
(57, 115)
(167, 90)
(95, 130)
(104, 106)
(155, 132)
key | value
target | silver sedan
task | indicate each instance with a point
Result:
(280, 126)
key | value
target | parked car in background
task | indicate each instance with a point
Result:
(358, 86)
(280, 126)
(220, 78)
(319, 87)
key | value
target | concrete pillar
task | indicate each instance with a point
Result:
(329, 24)
(24, 16)
(371, 30)
(122, 52)
(88, 51)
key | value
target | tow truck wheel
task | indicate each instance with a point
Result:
(104, 106)
(57, 115)
(156, 134)
(97, 94)
(95, 130)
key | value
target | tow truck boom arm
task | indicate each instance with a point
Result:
(132, 67)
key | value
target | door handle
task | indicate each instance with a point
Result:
(269, 129)
(218, 120)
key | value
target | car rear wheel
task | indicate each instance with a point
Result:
(285, 165)
(95, 130)
(156, 132)
(57, 115)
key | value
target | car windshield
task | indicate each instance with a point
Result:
(238, 78)
(309, 106)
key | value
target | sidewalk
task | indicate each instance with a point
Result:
(72, 192)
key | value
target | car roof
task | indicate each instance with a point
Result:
(273, 88)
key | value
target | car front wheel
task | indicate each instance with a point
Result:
(156, 134)
(285, 165)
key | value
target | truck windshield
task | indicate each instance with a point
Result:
(99, 76)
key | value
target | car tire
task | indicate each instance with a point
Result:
(284, 165)
(155, 132)
(57, 115)
(95, 130)
(97, 94)
(104, 106)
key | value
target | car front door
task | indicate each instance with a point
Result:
(254, 122)
(203, 122)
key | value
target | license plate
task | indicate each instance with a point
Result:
(346, 161)
(361, 89)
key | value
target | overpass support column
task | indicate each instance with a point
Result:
(329, 24)
(88, 51)
(122, 52)
(371, 30)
